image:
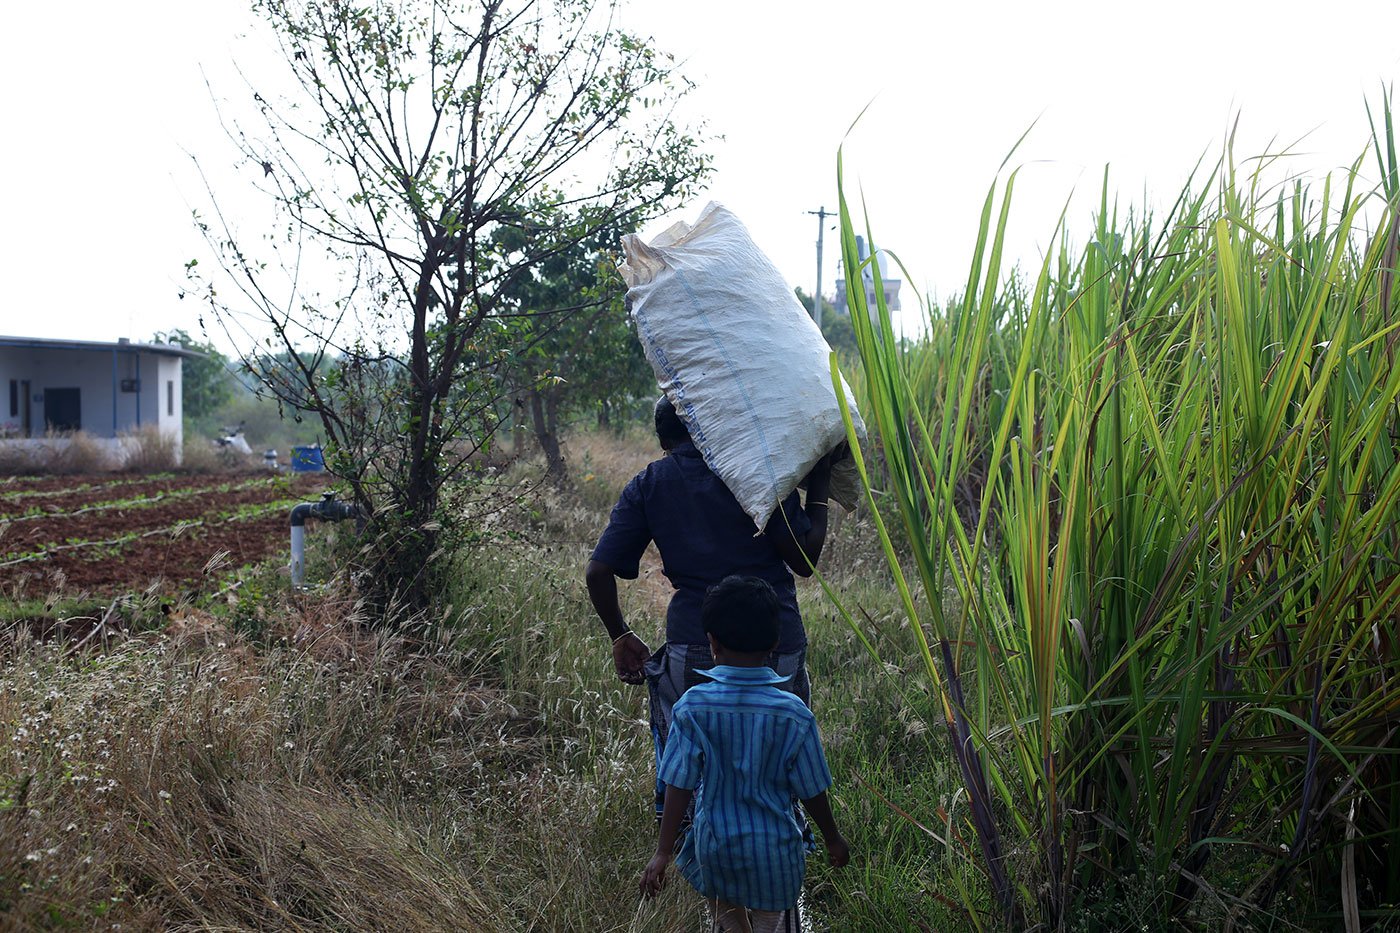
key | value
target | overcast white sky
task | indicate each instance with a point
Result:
(102, 100)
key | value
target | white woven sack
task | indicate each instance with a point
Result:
(739, 357)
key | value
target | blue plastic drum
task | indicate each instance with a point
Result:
(307, 460)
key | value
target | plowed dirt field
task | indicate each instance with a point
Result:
(104, 535)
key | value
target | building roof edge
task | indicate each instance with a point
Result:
(50, 343)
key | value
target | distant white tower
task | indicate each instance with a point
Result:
(890, 285)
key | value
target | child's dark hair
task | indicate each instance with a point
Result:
(742, 614)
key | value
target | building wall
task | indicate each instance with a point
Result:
(890, 286)
(95, 374)
(166, 396)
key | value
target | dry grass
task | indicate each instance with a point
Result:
(143, 450)
(599, 465)
(189, 780)
(148, 449)
(201, 456)
(15, 460)
(61, 453)
(75, 452)
(610, 460)
(64, 453)
(492, 776)
(327, 779)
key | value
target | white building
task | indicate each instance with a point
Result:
(105, 390)
(889, 285)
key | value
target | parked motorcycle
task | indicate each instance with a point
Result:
(231, 440)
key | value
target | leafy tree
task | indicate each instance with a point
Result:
(583, 355)
(416, 133)
(205, 381)
(836, 326)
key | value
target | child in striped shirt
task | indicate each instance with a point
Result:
(743, 750)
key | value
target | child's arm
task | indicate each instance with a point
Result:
(672, 813)
(819, 809)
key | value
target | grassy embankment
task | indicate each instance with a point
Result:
(265, 765)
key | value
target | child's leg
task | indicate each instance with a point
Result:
(728, 918)
(770, 921)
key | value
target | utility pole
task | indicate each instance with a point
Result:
(822, 215)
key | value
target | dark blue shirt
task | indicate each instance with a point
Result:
(703, 536)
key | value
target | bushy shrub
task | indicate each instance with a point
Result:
(16, 458)
(148, 449)
(200, 455)
(77, 452)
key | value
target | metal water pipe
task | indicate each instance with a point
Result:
(328, 509)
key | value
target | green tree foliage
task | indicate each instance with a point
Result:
(581, 355)
(836, 326)
(415, 136)
(206, 381)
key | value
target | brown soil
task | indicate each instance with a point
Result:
(169, 562)
(60, 495)
(168, 557)
(22, 537)
(117, 485)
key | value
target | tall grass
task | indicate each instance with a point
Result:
(490, 772)
(1149, 504)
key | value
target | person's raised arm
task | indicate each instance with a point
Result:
(801, 552)
(629, 652)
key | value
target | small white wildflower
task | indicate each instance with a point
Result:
(164, 795)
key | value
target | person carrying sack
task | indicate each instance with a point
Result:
(703, 536)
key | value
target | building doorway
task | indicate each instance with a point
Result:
(62, 410)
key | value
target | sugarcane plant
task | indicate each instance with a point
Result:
(1143, 511)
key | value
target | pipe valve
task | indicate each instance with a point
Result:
(328, 509)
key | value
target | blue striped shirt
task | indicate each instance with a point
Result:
(748, 749)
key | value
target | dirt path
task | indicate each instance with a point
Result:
(652, 588)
